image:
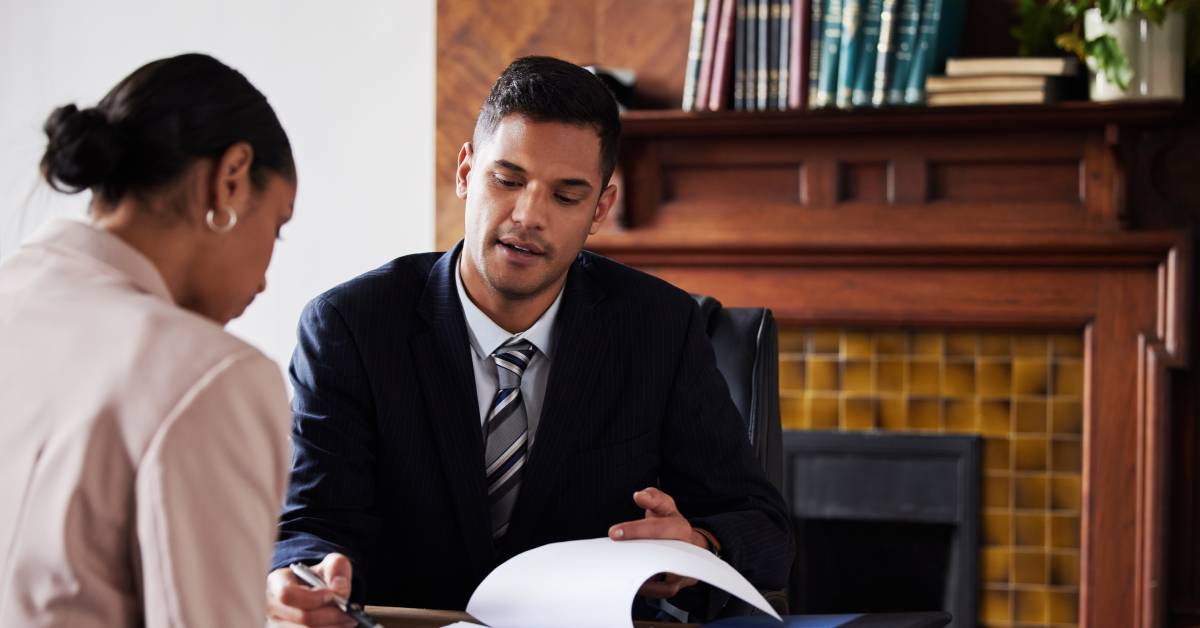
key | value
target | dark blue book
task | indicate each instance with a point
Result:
(864, 76)
(739, 58)
(831, 47)
(816, 26)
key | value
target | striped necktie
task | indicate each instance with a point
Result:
(506, 433)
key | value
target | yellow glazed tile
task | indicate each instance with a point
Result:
(1068, 379)
(994, 564)
(822, 412)
(858, 413)
(1030, 607)
(893, 414)
(1030, 377)
(1066, 417)
(1029, 454)
(1066, 456)
(1066, 492)
(791, 412)
(856, 377)
(1029, 530)
(1064, 531)
(1064, 569)
(995, 417)
(791, 341)
(1067, 345)
(791, 375)
(995, 345)
(856, 345)
(997, 491)
(958, 379)
(995, 606)
(1030, 492)
(994, 378)
(1031, 417)
(824, 342)
(996, 454)
(923, 377)
(889, 375)
(927, 344)
(822, 374)
(997, 528)
(924, 414)
(961, 415)
(1029, 567)
(1063, 607)
(891, 344)
(1031, 346)
(961, 344)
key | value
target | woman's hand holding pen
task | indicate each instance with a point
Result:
(292, 603)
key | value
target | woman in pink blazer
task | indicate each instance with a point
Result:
(145, 449)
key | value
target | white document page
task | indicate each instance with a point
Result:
(592, 583)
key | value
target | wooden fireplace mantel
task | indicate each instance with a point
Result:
(1009, 217)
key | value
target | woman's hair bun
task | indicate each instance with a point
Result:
(83, 151)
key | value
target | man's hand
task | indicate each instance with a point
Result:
(662, 521)
(292, 603)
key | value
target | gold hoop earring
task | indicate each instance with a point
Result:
(210, 218)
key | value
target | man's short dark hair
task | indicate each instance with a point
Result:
(545, 89)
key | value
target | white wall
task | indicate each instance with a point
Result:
(352, 82)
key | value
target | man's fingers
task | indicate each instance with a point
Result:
(336, 570)
(324, 615)
(302, 597)
(655, 502)
(674, 528)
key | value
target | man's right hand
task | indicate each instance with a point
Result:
(292, 603)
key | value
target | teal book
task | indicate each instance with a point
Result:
(885, 53)
(831, 46)
(851, 48)
(816, 26)
(907, 24)
(923, 55)
(864, 76)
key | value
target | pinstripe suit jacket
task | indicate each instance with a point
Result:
(388, 463)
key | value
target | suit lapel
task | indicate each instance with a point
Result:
(581, 332)
(448, 383)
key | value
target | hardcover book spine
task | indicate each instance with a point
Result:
(848, 56)
(773, 42)
(785, 54)
(908, 21)
(885, 52)
(831, 46)
(816, 48)
(763, 54)
(799, 43)
(719, 90)
(864, 75)
(692, 73)
(925, 54)
(708, 52)
(751, 48)
(739, 58)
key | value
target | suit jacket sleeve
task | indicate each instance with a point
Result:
(711, 472)
(330, 505)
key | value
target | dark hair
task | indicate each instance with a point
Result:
(546, 89)
(155, 123)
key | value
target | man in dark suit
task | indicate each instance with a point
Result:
(453, 410)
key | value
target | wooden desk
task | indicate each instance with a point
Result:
(393, 617)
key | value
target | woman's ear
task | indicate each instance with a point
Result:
(231, 178)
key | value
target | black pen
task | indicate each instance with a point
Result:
(355, 611)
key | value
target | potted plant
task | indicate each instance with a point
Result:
(1132, 48)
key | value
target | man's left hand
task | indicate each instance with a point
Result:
(662, 521)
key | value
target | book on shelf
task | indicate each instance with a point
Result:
(831, 47)
(864, 75)
(908, 22)
(851, 46)
(1036, 66)
(1009, 82)
(773, 14)
(885, 52)
(923, 52)
(782, 94)
(695, 40)
(720, 89)
(708, 53)
(763, 55)
(816, 29)
(798, 57)
(992, 97)
(739, 56)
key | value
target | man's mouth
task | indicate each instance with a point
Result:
(524, 248)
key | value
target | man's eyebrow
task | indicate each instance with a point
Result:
(573, 183)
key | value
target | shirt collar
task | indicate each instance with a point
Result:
(80, 238)
(486, 336)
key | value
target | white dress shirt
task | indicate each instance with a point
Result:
(486, 336)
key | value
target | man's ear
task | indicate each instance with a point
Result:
(607, 198)
(231, 179)
(464, 170)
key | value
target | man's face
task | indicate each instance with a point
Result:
(533, 196)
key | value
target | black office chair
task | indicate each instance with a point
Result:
(746, 343)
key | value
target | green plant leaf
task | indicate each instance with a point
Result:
(1040, 21)
(1105, 55)
(1113, 10)
(1071, 43)
(1154, 10)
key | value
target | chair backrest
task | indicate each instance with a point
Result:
(746, 343)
